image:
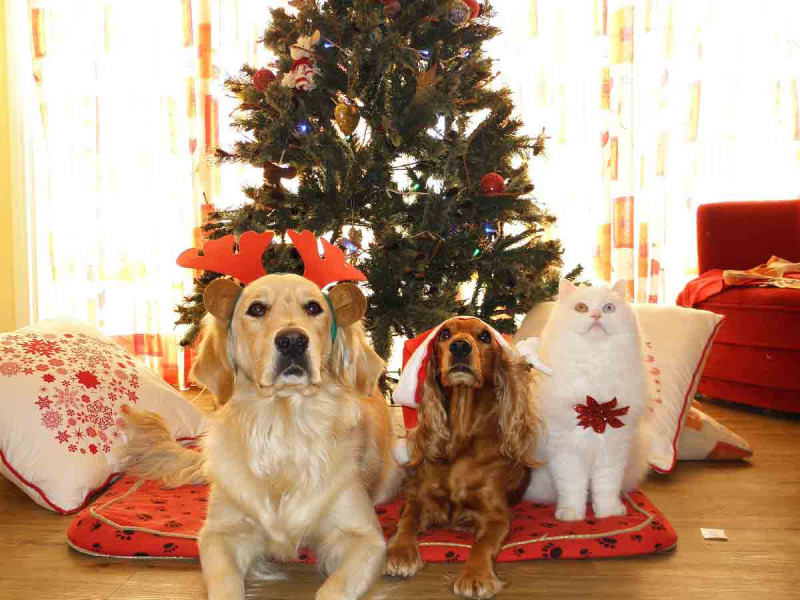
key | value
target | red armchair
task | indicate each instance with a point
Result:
(755, 359)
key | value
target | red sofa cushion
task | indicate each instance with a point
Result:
(764, 317)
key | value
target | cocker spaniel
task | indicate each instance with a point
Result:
(471, 452)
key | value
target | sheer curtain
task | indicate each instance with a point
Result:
(129, 108)
(653, 107)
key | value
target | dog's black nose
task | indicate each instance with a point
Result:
(292, 343)
(460, 348)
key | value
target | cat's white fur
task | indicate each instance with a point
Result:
(595, 353)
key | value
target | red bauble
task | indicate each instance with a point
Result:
(391, 7)
(492, 184)
(474, 8)
(262, 78)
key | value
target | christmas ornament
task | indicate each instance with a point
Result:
(426, 78)
(391, 8)
(303, 70)
(459, 13)
(376, 35)
(492, 184)
(597, 415)
(273, 173)
(474, 7)
(347, 117)
(262, 78)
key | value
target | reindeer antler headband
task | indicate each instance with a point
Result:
(247, 266)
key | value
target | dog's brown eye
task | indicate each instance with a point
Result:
(313, 308)
(444, 335)
(257, 309)
(485, 337)
(581, 307)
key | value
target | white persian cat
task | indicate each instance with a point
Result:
(593, 405)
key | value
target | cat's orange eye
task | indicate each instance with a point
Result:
(581, 307)
(609, 308)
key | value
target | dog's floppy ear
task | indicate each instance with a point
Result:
(349, 304)
(212, 367)
(220, 298)
(354, 361)
(429, 440)
(519, 420)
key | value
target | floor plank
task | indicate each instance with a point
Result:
(757, 503)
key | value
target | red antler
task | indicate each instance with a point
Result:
(323, 271)
(218, 256)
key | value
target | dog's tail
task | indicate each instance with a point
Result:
(151, 452)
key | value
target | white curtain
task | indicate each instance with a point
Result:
(125, 109)
(653, 107)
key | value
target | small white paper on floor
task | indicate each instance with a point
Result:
(714, 534)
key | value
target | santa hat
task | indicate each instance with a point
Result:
(409, 389)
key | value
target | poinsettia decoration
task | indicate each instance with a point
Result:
(597, 415)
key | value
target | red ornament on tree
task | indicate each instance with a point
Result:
(391, 8)
(262, 78)
(474, 7)
(596, 415)
(492, 184)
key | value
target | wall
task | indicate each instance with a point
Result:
(7, 308)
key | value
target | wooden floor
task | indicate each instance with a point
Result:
(757, 504)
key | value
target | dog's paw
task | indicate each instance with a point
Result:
(330, 592)
(402, 560)
(570, 513)
(609, 508)
(477, 584)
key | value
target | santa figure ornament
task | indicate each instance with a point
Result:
(303, 70)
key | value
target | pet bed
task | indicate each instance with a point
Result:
(136, 518)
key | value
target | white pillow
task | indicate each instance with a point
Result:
(62, 387)
(678, 343)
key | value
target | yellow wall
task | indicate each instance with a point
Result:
(7, 314)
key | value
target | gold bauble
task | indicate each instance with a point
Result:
(347, 117)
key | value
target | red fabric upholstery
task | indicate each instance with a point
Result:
(756, 356)
(743, 235)
(139, 519)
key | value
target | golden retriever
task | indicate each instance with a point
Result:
(301, 446)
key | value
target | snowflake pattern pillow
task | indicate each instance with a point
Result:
(63, 386)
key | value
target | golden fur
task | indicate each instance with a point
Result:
(470, 453)
(293, 459)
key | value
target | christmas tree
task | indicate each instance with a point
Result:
(406, 154)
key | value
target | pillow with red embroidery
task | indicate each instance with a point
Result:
(704, 438)
(62, 388)
(678, 341)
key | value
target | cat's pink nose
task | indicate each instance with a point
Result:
(595, 314)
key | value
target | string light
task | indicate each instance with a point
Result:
(327, 45)
(488, 228)
(303, 127)
(425, 53)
